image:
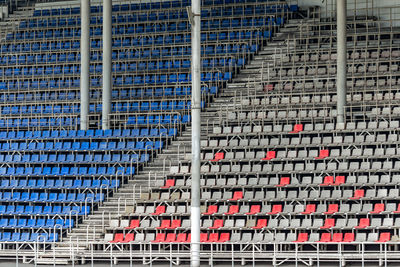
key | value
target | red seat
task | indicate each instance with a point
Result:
(378, 208)
(159, 210)
(284, 181)
(332, 208)
(302, 237)
(181, 238)
(359, 193)
(337, 237)
(213, 237)
(237, 195)
(364, 222)
(165, 224)
(261, 223)
(323, 154)
(275, 209)
(169, 183)
(203, 237)
(211, 210)
(328, 180)
(217, 224)
(270, 155)
(224, 237)
(160, 237)
(329, 223)
(133, 224)
(218, 156)
(171, 237)
(398, 209)
(348, 237)
(325, 237)
(384, 237)
(254, 209)
(339, 180)
(232, 210)
(118, 238)
(310, 208)
(297, 128)
(129, 237)
(268, 87)
(175, 224)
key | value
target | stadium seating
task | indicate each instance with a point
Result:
(276, 167)
(49, 169)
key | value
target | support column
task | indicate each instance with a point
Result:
(107, 63)
(341, 79)
(85, 64)
(194, 17)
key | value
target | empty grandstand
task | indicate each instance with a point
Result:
(298, 160)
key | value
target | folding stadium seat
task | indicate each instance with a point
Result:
(237, 195)
(358, 194)
(270, 155)
(302, 237)
(159, 210)
(384, 237)
(233, 209)
(297, 128)
(332, 208)
(211, 210)
(310, 208)
(218, 156)
(378, 208)
(275, 209)
(284, 181)
(323, 154)
(364, 222)
(217, 224)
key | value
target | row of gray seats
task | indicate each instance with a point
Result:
(220, 194)
(321, 209)
(328, 127)
(320, 98)
(278, 167)
(310, 55)
(305, 181)
(297, 141)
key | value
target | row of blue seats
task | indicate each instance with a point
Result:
(152, 6)
(116, 107)
(66, 171)
(39, 210)
(92, 134)
(125, 20)
(208, 25)
(158, 119)
(59, 184)
(81, 146)
(73, 158)
(162, 39)
(117, 67)
(50, 197)
(116, 94)
(36, 223)
(219, 49)
(118, 81)
(156, 5)
(28, 237)
(157, 28)
(43, 122)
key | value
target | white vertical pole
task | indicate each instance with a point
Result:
(196, 128)
(85, 63)
(341, 79)
(107, 63)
